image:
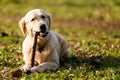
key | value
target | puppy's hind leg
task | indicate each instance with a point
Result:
(45, 66)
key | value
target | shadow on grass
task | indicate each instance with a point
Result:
(110, 62)
(93, 62)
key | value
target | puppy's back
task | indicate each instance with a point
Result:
(63, 46)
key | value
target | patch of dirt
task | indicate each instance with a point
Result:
(17, 73)
(3, 34)
(84, 23)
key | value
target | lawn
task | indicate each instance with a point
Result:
(91, 29)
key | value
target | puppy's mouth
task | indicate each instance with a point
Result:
(43, 33)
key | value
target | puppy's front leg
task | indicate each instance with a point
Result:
(45, 66)
(27, 65)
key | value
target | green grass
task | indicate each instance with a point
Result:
(93, 42)
(97, 49)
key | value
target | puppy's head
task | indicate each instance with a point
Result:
(35, 21)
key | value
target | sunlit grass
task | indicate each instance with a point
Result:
(91, 42)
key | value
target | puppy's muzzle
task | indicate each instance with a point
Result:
(43, 30)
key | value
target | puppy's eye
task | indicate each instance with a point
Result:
(33, 19)
(43, 17)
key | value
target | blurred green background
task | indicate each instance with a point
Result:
(91, 28)
(66, 12)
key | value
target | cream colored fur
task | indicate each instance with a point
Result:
(55, 48)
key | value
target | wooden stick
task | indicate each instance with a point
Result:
(34, 49)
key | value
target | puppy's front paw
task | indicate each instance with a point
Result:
(27, 69)
(28, 72)
(36, 69)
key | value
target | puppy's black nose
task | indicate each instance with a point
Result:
(43, 27)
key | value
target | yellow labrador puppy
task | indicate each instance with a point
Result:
(51, 46)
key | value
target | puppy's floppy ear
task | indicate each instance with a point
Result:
(50, 19)
(22, 26)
